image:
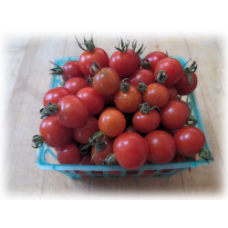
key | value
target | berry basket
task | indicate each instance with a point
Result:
(102, 171)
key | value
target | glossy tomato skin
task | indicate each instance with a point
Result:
(82, 133)
(154, 58)
(108, 108)
(189, 141)
(84, 160)
(54, 134)
(174, 115)
(161, 147)
(124, 63)
(54, 95)
(71, 69)
(112, 122)
(184, 87)
(146, 123)
(106, 81)
(173, 94)
(143, 75)
(131, 150)
(68, 154)
(128, 102)
(87, 58)
(172, 68)
(188, 107)
(76, 84)
(99, 158)
(156, 95)
(130, 128)
(72, 112)
(94, 101)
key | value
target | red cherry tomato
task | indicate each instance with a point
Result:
(177, 158)
(174, 115)
(99, 158)
(146, 123)
(143, 75)
(128, 102)
(73, 112)
(124, 63)
(109, 99)
(94, 101)
(173, 94)
(188, 107)
(171, 132)
(130, 128)
(55, 94)
(148, 172)
(161, 147)
(156, 95)
(84, 160)
(82, 133)
(54, 134)
(189, 141)
(184, 87)
(106, 81)
(131, 150)
(68, 154)
(76, 84)
(108, 108)
(172, 68)
(112, 122)
(71, 69)
(154, 58)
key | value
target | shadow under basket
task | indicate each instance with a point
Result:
(102, 171)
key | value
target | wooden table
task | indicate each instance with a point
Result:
(26, 79)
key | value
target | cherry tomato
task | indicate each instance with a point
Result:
(146, 123)
(128, 100)
(55, 94)
(131, 150)
(173, 94)
(73, 112)
(124, 63)
(189, 141)
(188, 107)
(68, 154)
(171, 132)
(112, 122)
(109, 99)
(54, 134)
(148, 172)
(108, 108)
(94, 101)
(154, 58)
(143, 75)
(172, 68)
(99, 158)
(71, 141)
(161, 147)
(174, 115)
(184, 87)
(82, 133)
(156, 95)
(76, 84)
(177, 158)
(130, 128)
(84, 160)
(106, 81)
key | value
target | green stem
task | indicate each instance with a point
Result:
(110, 160)
(142, 87)
(38, 141)
(56, 70)
(124, 46)
(145, 108)
(89, 44)
(84, 149)
(162, 76)
(50, 109)
(191, 121)
(145, 63)
(190, 70)
(95, 68)
(124, 86)
(97, 137)
(99, 146)
(206, 155)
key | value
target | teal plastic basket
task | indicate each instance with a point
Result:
(102, 171)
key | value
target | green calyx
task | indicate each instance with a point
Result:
(145, 63)
(142, 87)
(191, 121)
(190, 70)
(122, 46)
(90, 80)
(124, 86)
(95, 68)
(110, 160)
(162, 76)
(145, 108)
(206, 155)
(140, 50)
(188, 159)
(88, 43)
(49, 110)
(37, 141)
(56, 70)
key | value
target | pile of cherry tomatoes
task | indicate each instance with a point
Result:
(121, 110)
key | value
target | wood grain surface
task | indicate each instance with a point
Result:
(26, 79)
